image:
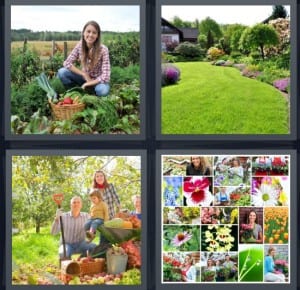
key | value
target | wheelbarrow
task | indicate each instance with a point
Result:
(115, 236)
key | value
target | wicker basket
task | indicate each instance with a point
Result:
(91, 268)
(65, 112)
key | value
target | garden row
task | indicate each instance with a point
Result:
(117, 113)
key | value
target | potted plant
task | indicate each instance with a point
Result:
(222, 273)
(208, 275)
(116, 259)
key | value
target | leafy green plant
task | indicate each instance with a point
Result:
(27, 100)
(53, 64)
(37, 125)
(25, 65)
(124, 49)
(188, 49)
(100, 114)
(125, 75)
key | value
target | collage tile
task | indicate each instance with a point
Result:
(225, 219)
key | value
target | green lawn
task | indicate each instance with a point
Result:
(218, 100)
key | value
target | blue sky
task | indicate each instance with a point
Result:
(230, 14)
(63, 18)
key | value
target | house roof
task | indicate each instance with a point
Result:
(190, 33)
(185, 33)
(164, 22)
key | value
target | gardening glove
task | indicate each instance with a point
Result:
(59, 213)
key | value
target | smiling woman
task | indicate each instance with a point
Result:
(95, 64)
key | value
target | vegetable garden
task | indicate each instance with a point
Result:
(118, 113)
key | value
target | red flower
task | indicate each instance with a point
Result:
(196, 189)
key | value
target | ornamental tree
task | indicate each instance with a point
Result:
(259, 36)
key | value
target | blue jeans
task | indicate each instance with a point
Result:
(70, 79)
(76, 248)
(93, 224)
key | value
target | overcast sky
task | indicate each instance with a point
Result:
(64, 18)
(247, 15)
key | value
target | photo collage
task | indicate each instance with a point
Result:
(225, 218)
(153, 148)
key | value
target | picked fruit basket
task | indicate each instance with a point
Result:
(65, 111)
(68, 104)
(90, 267)
(64, 107)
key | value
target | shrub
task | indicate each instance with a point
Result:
(188, 49)
(165, 57)
(124, 50)
(124, 75)
(53, 64)
(170, 74)
(271, 73)
(25, 65)
(255, 55)
(282, 84)
(171, 45)
(236, 55)
(28, 100)
(214, 53)
(283, 60)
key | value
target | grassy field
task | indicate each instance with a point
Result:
(218, 100)
(44, 48)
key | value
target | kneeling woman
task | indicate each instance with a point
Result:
(94, 73)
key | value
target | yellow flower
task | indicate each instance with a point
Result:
(283, 198)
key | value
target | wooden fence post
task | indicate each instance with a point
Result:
(65, 49)
(53, 47)
(25, 44)
(24, 64)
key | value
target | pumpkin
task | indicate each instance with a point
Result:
(127, 225)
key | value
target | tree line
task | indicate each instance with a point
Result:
(36, 178)
(22, 34)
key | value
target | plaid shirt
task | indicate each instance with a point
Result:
(111, 198)
(73, 227)
(100, 72)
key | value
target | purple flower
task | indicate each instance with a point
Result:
(282, 84)
(170, 74)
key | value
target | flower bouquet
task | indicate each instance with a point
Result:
(281, 266)
(171, 269)
(247, 234)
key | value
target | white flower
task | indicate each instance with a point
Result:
(264, 196)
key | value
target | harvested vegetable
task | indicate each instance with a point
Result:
(45, 85)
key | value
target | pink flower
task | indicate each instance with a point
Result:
(196, 190)
(181, 238)
(281, 262)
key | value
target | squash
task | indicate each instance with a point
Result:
(114, 223)
(127, 225)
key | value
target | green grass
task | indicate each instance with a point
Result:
(36, 249)
(218, 100)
